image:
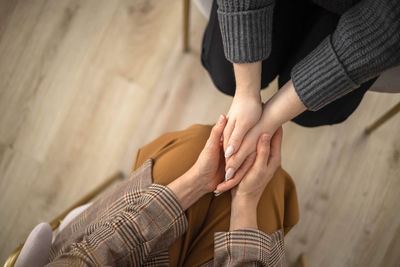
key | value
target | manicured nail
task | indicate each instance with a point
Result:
(229, 151)
(217, 193)
(229, 174)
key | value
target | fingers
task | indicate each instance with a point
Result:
(266, 160)
(276, 144)
(216, 133)
(263, 152)
(236, 160)
(227, 185)
(235, 139)
(228, 132)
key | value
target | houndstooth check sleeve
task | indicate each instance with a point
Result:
(138, 235)
(249, 247)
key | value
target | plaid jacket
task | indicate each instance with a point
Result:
(137, 221)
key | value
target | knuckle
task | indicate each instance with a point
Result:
(216, 127)
(245, 122)
(234, 140)
(262, 150)
(269, 137)
(214, 131)
(225, 134)
(244, 125)
(234, 162)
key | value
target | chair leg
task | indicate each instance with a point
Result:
(393, 111)
(186, 16)
(303, 260)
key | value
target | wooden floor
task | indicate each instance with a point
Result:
(83, 84)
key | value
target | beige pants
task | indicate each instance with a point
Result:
(173, 154)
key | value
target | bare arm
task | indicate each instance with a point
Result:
(246, 108)
(282, 107)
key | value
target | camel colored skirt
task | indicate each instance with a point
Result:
(173, 154)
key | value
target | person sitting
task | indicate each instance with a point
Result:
(165, 214)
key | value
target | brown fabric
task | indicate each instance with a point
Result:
(173, 154)
(141, 223)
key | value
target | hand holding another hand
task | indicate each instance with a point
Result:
(206, 173)
(267, 161)
(282, 107)
(240, 162)
(246, 195)
(244, 113)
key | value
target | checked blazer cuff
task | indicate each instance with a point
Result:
(249, 247)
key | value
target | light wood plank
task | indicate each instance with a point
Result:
(84, 84)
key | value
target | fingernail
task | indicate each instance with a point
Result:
(264, 138)
(229, 151)
(221, 118)
(229, 174)
(217, 193)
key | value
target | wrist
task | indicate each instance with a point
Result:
(271, 118)
(243, 201)
(188, 189)
(248, 77)
(283, 106)
(243, 214)
(248, 92)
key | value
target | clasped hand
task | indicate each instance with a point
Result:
(248, 118)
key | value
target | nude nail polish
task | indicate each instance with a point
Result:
(229, 174)
(229, 151)
(216, 193)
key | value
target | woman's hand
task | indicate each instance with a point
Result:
(282, 107)
(246, 195)
(209, 167)
(239, 163)
(267, 161)
(243, 114)
(206, 173)
(246, 107)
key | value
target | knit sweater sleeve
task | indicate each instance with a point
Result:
(246, 27)
(365, 43)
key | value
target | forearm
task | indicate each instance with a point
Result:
(243, 214)
(252, 19)
(248, 79)
(365, 43)
(188, 189)
(135, 221)
(282, 107)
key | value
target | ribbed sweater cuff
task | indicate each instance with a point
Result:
(320, 77)
(246, 35)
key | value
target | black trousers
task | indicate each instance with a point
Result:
(298, 27)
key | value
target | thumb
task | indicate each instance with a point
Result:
(216, 132)
(263, 152)
(236, 140)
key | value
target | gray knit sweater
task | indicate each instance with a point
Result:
(365, 43)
